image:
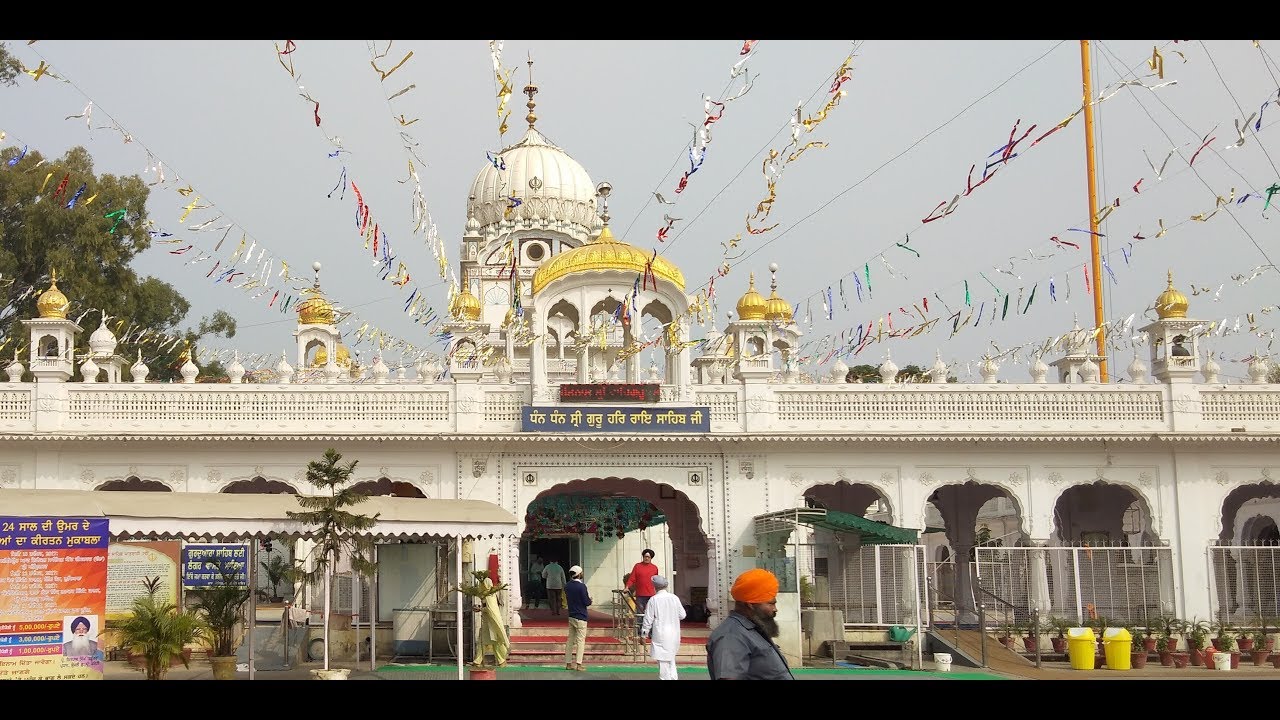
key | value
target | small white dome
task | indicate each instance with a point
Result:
(888, 371)
(102, 341)
(838, 371)
(235, 371)
(550, 185)
(284, 371)
(89, 370)
(1137, 370)
(939, 369)
(1258, 369)
(380, 369)
(1211, 369)
(1039, 371)
(139, 370)
(1089, 371)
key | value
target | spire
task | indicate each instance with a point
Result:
(531, 90)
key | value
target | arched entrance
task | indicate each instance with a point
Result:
(603, 524)
(1246, 565)
(260, 486)
(832, 572)
(974, 519)
(1117, 573)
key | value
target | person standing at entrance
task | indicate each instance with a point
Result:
(662, 616)
(553, 577)
(576, 594)
(641, 580)
(742, 647)
(533, 586)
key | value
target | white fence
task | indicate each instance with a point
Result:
(1126, 585)
(1243, 583)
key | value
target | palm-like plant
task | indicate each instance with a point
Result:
(335, 530)
(222, 609)
(159, 630)
(277, 569)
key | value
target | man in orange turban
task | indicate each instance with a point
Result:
(742, 647)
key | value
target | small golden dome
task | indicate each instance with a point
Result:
(751, 306)
(778, 310)
(1171, 304)
(315, 310)
(322, 357)
(466, 306)
(605, 253)
(52, 304)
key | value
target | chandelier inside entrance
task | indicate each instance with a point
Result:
(590, 515)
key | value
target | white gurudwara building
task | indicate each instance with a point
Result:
(1051, 492)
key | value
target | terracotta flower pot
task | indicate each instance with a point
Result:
(1059, 645)
(482, 674)
(1275, 661)
(1166, 658)
(1138, 659)
(1246, 644)
(1149, 644)
(1030, 644)
(1197, 657)
(1260, 657)
(1180, 659)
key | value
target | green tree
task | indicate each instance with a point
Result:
(335, 530)
(91, 253)
(871, 374)
(9, 67)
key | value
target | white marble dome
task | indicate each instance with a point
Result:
(555, 191)
(102, 341)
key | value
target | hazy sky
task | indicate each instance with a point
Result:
(224, 118)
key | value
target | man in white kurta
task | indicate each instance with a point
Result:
(661, 625)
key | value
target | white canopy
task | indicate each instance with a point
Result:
(224, 516)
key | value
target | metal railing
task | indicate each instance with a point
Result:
(1244, 583)
(1010, 613)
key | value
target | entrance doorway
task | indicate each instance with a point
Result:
(567, 550)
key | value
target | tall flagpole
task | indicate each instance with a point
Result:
(1095, 241)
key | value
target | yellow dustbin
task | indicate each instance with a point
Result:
(1117, 645)
(1081, 648)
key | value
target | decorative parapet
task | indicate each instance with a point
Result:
(1004, 410)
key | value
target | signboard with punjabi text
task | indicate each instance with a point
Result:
(205, 565)
(597, 419)
(53, 597)
(611, 392)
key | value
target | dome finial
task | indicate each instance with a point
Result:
(531, 90)
(316, 267)
(602, 191)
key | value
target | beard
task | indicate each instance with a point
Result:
(80, 645)
(767, 623)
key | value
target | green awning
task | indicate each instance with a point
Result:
(870, 531)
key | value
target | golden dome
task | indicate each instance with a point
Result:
(52, 304)
(605, 253)
(1171, 304)
(315, 310)
(751, 306)
(322, 357)
(466, 306)
(777, 310)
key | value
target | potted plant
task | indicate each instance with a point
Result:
(1224, 636)
(1261, 647)
(1058, 626)
(159, 631)
(1029, 640)
(1137, 649)
(221, 608)
(335, 534)
(1005, 633)
(276, 570)
(1167, 627)
(1197, 632)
